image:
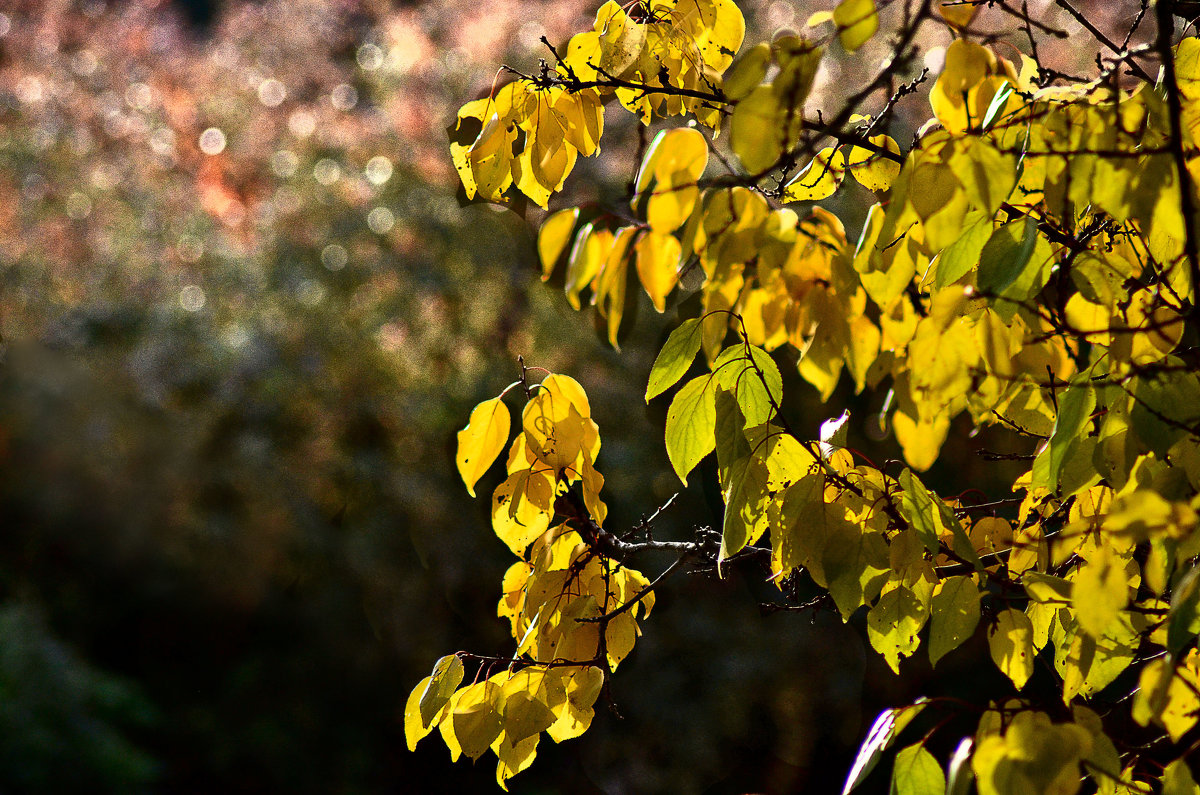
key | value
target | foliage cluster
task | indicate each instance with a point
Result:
(1031, 263)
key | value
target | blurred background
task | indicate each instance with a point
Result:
(242, 315)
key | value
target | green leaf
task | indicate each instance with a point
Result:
(963, 254)
(750, 374)
(855, 561)
(443, 681)
(928, 515)
(1165, 406)
(916, 772)
(1006, 255)
(675, 358)
(691, 424)
(1075, 406)
(743, 476)
(882, 734)
(954, 614)
(1184, 621)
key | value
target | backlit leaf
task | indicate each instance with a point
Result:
(553, 238)
(482, 440)
(916, 772)
(1010, 639)
(691, 421)
(675, 358)
(446, 676)
(954, 614)
(857, 21)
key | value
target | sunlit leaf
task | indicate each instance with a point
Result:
(482, 440)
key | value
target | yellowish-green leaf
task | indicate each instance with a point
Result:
(482, 440)
(446, 676)
(1184, 621)
(893, 625)
(916, 772)
(751, 375)
(476, 718)
(675, 358)
(957, 259)
(748, 72)
(1101, 591)
(691, 423)
(987, 174)
(857, 21)
(1008, 252)
(1177, 779)
(755, 133)
(954, 614)
(1011, 642)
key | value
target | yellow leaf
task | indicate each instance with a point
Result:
(591, 249)
(873, 170)
(583, 52)
(758, 134)
(657, 258)
(1100, 592)
(575, 712)
(414, 727)
(619, 638)
(621, 39)
(521, 508)
(958, 14)
(514, 758)
(553, 238)
(956, 98)
(584, 118)
(611, 283)
(857, 21)
(490, 159)
(1011, 642)
(1168, 695)
(819, 179)
(748, 72)
(482, 440)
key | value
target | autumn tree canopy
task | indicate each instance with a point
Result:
(1031, 262)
